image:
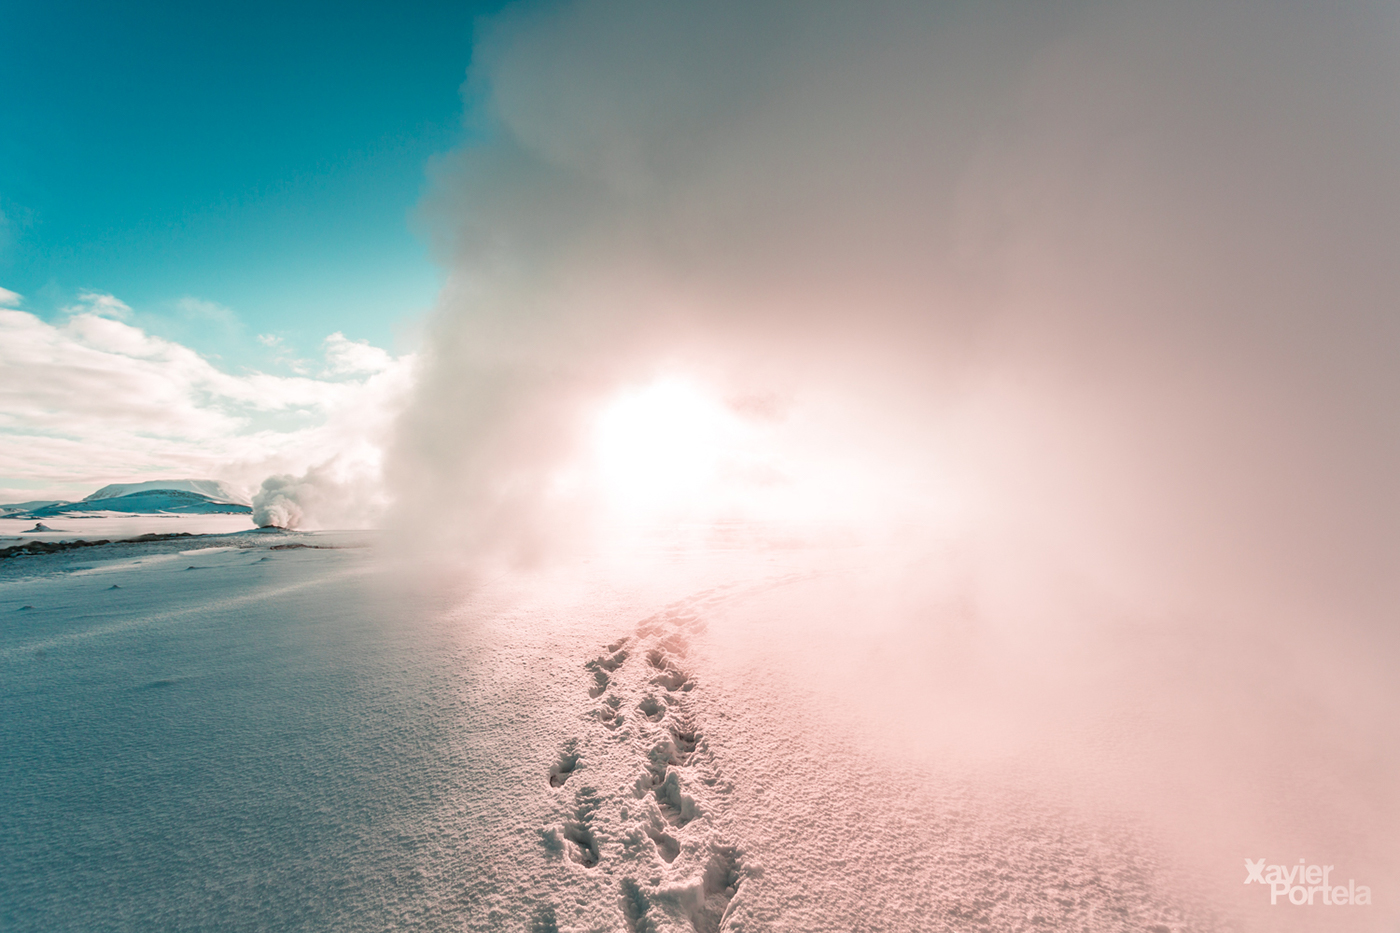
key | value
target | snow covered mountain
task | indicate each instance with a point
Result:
(182, 496)
(209, 488)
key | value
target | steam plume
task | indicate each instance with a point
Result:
(334, 494)
(1115, 280)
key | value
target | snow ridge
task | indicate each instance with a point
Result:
(209, 488)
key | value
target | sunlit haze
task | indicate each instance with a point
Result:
(745, 466)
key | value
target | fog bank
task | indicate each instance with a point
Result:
(1097, 296)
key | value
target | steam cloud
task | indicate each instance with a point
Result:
(276, 504)
(1117, 280)
(1083, 252)
(336, 494)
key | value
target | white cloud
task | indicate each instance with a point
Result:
(102, 305)
(94, 400)
(9, 299)
(345, 356)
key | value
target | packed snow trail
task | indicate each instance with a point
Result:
(659, 839)
(681, 807)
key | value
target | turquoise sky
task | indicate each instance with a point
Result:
(265, 158)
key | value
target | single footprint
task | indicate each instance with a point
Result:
(583, 845)
(678, 808)
(659, 759)
(608, 714)
(676, 644)
(673, 679)
(666, 845)
(634, 907)
(656, 770)
(686, 740)
(566, 765)
(718, 886)
(601, 668)
(652, 709)
(609, 662)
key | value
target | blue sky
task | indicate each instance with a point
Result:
(228, 170)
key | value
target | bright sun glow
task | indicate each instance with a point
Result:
(673, 451)
(658, 447)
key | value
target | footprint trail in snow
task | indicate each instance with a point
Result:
(681, 804)
(655, 834)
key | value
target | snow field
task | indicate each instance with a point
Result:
(301, 732)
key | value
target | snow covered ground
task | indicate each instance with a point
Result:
(280, 731)
(113, 525)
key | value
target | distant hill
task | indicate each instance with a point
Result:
(8, 507)
(209, 488)
(145, 502)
